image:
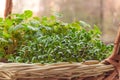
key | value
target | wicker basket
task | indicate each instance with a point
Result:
(109, 69)
(58, 71)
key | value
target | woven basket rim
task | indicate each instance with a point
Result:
(12, 71)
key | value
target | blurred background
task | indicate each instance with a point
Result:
(104, 13)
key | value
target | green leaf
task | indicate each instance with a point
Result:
(84, 24)
(6, 35)
(1, 55)
(44, 18)
(36, 18)
(97, 30)
(8, 22)
(32, 28)
(3, 40)
(52, 17)
(58, 15)
(15, 28)
(1, 19)
(28, 14)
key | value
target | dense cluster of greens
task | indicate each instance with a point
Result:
(24, 38)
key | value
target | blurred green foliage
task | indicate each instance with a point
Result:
(28, 39)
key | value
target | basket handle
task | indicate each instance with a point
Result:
(114, 59)
(116, 50)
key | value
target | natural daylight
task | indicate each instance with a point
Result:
(59, 39)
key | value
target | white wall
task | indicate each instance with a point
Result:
(2, 8)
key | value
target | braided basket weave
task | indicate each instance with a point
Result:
(58, 71)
